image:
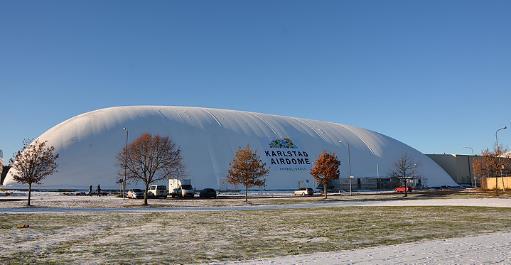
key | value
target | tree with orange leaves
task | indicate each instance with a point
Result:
(35, 161)
(247, 168)
(326, 168)
(492, 164)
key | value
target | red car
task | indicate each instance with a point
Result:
(402, 189)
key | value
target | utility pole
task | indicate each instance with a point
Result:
(497, 153)
(472, 178)
(125, 163)
(351, 178)
(349, 161)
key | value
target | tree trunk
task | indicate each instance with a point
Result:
(324, 190)
(406, 187)
(246, 193)
(496, 185)
(145, 194)
(502, 181)
(29, 193)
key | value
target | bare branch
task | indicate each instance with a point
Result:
(33, 163)
(150, 159)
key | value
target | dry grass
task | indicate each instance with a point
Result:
(196, 237)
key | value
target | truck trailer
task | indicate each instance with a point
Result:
(181, 188)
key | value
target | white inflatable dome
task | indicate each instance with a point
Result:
(88, 145)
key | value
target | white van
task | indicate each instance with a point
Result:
(157, 191)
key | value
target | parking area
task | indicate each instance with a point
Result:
(76, 200)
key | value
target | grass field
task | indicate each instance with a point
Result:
(196, 237)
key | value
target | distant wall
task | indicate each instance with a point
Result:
(501, 183)
(3, 173)
(457, 166)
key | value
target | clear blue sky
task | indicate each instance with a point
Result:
(433, 74)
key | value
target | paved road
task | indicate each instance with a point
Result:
(485, 249)
(485, 202)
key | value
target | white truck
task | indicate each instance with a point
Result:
(181, 188)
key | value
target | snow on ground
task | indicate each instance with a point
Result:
(491, 248)
(481, 202)
(484, 249)
(32, 241)
(56, 204)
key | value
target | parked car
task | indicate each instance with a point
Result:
(135, 194)
(304, 192)
(207, 193)
(401, 189)
(157, 191)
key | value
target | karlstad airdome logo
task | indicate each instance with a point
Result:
(285, 142)
(279, 154)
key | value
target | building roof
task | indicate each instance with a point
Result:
(88, 144)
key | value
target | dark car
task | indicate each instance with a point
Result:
(207, 193)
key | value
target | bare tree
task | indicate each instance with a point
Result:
(326, 168)
(247, 168)
(405, 168)
(150, 159)
(33, 163)
(492, 164)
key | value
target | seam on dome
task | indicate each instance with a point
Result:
(181, 114)
(303, 125)
(265, 122)
(358, 136)
(214, 118)
(163, 115)
(312, 128)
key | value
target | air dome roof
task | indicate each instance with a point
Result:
(88, 145)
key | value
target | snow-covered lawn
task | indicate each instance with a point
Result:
(361, 229)
(484, 249)
(99, 237)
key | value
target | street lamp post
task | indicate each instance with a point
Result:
(349, 162)
(349, 155)
(125, 163)
(498, 158)
(351, 178)
(497, 137)
(472, 178)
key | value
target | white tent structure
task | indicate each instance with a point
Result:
(88, 145)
